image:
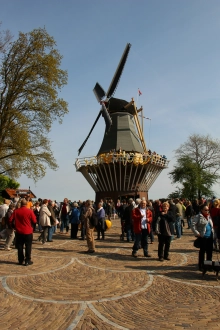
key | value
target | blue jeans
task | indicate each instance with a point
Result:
(64, 223)
(130, 233)
(142, 239)
(189, 221)
(178, 227)
(51, 231)
(151, 235)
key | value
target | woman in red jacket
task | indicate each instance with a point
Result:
(142, 219)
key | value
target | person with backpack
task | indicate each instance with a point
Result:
(89, 223)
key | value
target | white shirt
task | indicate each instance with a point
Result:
(144, 219)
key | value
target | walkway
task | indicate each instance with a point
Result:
(66, 289)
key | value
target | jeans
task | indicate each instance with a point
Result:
(51, 231)
(64, 223)
(189, 221)
(101, 228)
(130, 233)
(151, 235)
(21, 240)
(178, 227)
(141, 238)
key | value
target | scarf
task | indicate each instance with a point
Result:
(64, 210)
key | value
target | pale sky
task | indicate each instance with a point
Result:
(174, 60)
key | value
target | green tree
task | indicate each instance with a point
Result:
(30, 79)
(198, 163)
(6, 182)
(175, 194)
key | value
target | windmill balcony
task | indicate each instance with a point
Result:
(124, 158)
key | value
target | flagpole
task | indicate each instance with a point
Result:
(142, 120)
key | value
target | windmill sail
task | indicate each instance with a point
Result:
(118, 72)
(99, 92)
(82, 146)
(108, 120)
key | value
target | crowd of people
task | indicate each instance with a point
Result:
(141, 220)
(128, 157)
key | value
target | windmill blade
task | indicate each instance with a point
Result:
(99, 92)
(82, 146)
(108, 120)
(118, 72)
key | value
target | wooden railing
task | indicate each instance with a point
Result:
(124, 158)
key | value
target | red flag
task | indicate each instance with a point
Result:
(139, 92)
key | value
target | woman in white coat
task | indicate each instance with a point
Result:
(202, 227)
(44, 220)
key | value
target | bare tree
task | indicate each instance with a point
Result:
(5, 38)
(198, 163)
(203, 150)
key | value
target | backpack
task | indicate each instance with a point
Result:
(93, 219)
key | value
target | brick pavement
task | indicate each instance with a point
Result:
(67, 289)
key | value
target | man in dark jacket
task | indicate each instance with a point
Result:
(121, 215)
(127, 217)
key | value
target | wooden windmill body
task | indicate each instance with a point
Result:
(123, 167)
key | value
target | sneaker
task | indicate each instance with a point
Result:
(7, 249)
(161, 259)
(147, 255)
(134, 254)
(28, 263)
(90, 251)
(167, 258)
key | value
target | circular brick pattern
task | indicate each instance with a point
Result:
(76, 283)
(68, 289)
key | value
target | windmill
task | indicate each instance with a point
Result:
(123, 166)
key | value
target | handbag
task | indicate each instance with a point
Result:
(196, 243)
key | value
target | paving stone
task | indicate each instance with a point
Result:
(67, 289)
